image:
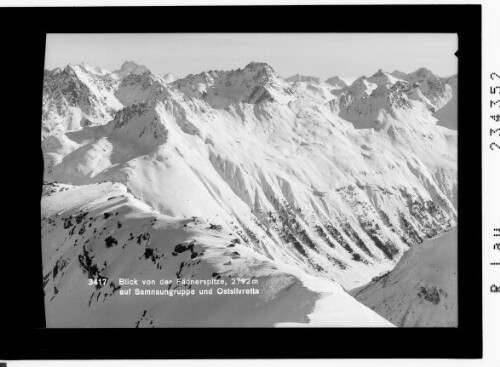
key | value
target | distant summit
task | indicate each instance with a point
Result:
(339, 82)
(130, 67)
(382, 78)
(421, 74)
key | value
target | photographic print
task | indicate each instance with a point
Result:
(250, 180)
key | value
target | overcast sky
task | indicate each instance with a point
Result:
(315, 54)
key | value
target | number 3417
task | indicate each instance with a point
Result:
(99, 281)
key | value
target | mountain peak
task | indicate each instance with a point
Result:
(361, 86)
(432, 86)
(260, 69)
(380, 72)
(259, 65)
(422, 73)
(53, 71)
(131, 67)
(92, 69)
(339, 82)
(382, 77)
(255, 83)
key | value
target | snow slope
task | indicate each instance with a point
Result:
(335, 183)
(422, 288)
(102, 232)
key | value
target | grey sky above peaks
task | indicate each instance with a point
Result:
(314, 54)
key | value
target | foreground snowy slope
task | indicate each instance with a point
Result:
(422, 288)
(102, 233)
(336, 182)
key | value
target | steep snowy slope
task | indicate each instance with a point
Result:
(422, 288)
(337, 183)
(95, 235)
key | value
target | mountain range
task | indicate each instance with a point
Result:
(311, 188)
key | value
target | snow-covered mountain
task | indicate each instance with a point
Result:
(256, 83)
(340, 82)
(75, 97)
(83, 95)
(326, 185)
(422, 288)
(434, 88)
